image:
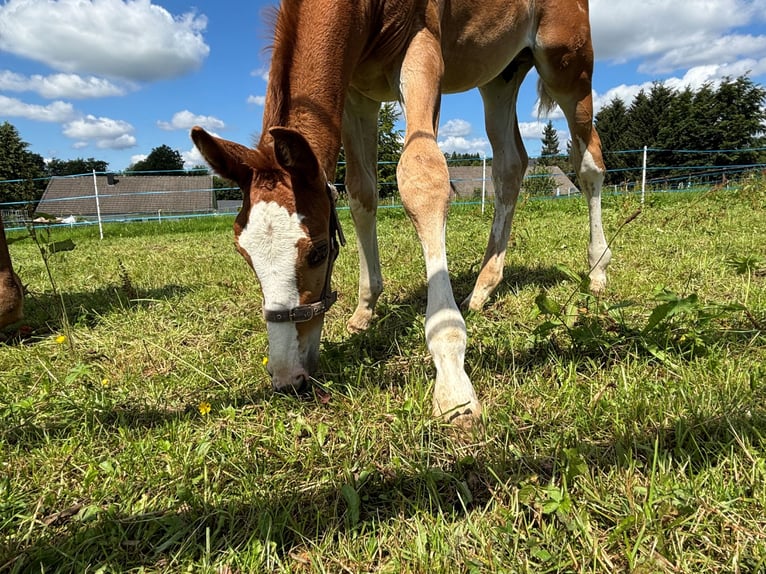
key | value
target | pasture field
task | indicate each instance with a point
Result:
(626, 433)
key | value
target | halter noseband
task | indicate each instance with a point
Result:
(303, 313)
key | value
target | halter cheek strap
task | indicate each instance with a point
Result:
(303, 313)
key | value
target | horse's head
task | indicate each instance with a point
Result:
(288, 232)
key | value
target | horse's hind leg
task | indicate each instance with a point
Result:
(565, 63)
(424, 186)
(360, 140)
(509, 163)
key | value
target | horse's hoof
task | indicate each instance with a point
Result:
(464, 416)
(359, 322)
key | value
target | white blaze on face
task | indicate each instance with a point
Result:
(271, 240)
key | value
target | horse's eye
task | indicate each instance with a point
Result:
(319, 253)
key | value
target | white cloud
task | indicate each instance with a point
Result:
(262, 73)
(125, 141)
(60, 85)
(54, 112)
(134, 159)
(450, 140)
(128, 39)
(186, 120)
(193, 158)
(454, 137)
(531, 130)
(461, 144)
(105, 132)
(694, 79)
(455, 128)
(724, 49)
(256, 100)
(668, 35)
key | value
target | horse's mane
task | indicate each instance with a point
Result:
(284, 22)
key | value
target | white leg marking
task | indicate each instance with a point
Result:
(454, 395)
(599, 254)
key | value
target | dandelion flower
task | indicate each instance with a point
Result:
(265, 361)
(104, 382)
(204, 408)
(61, 339)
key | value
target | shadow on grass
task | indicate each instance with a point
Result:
(397, 331)
(289, 522)
(285, 522)
(43, 316)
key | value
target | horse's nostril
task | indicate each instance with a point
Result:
(297, 385)
(301, 384)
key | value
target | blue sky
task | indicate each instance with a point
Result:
(113, 79)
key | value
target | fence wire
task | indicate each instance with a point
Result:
(468, 187)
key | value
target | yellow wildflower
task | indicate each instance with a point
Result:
(104, 382)
(61, 339)
(265, 361)
(204, 408)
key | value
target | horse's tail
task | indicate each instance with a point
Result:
(547, 103)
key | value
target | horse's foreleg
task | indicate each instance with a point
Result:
(424, 186)
(360, 142)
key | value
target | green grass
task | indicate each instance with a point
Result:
(626, 433)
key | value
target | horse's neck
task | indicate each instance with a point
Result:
(313, 57)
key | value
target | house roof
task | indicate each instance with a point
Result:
(128, 194)
(465, 180)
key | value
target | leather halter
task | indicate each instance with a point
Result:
(303, 313)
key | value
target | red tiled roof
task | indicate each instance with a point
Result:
(466, 180)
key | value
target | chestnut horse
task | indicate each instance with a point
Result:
(333, 62)
(11, 292)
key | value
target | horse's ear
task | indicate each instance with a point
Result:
(227, 158)
(294, 153)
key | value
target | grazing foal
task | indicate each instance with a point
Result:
(333, 62)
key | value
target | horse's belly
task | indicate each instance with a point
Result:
(464, 70)
(478, 49)
(476, 46)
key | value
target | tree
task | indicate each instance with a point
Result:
(647, 115)
(549, 154)
(727, 120)
(20, 166)
(162, 158)
(389, 151)
(226, 189)
(611, 123)
(463, 159)
(539, 181)
(79, 166)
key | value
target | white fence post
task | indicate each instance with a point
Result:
(643, 179)
(98, 207)
(483, 180)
